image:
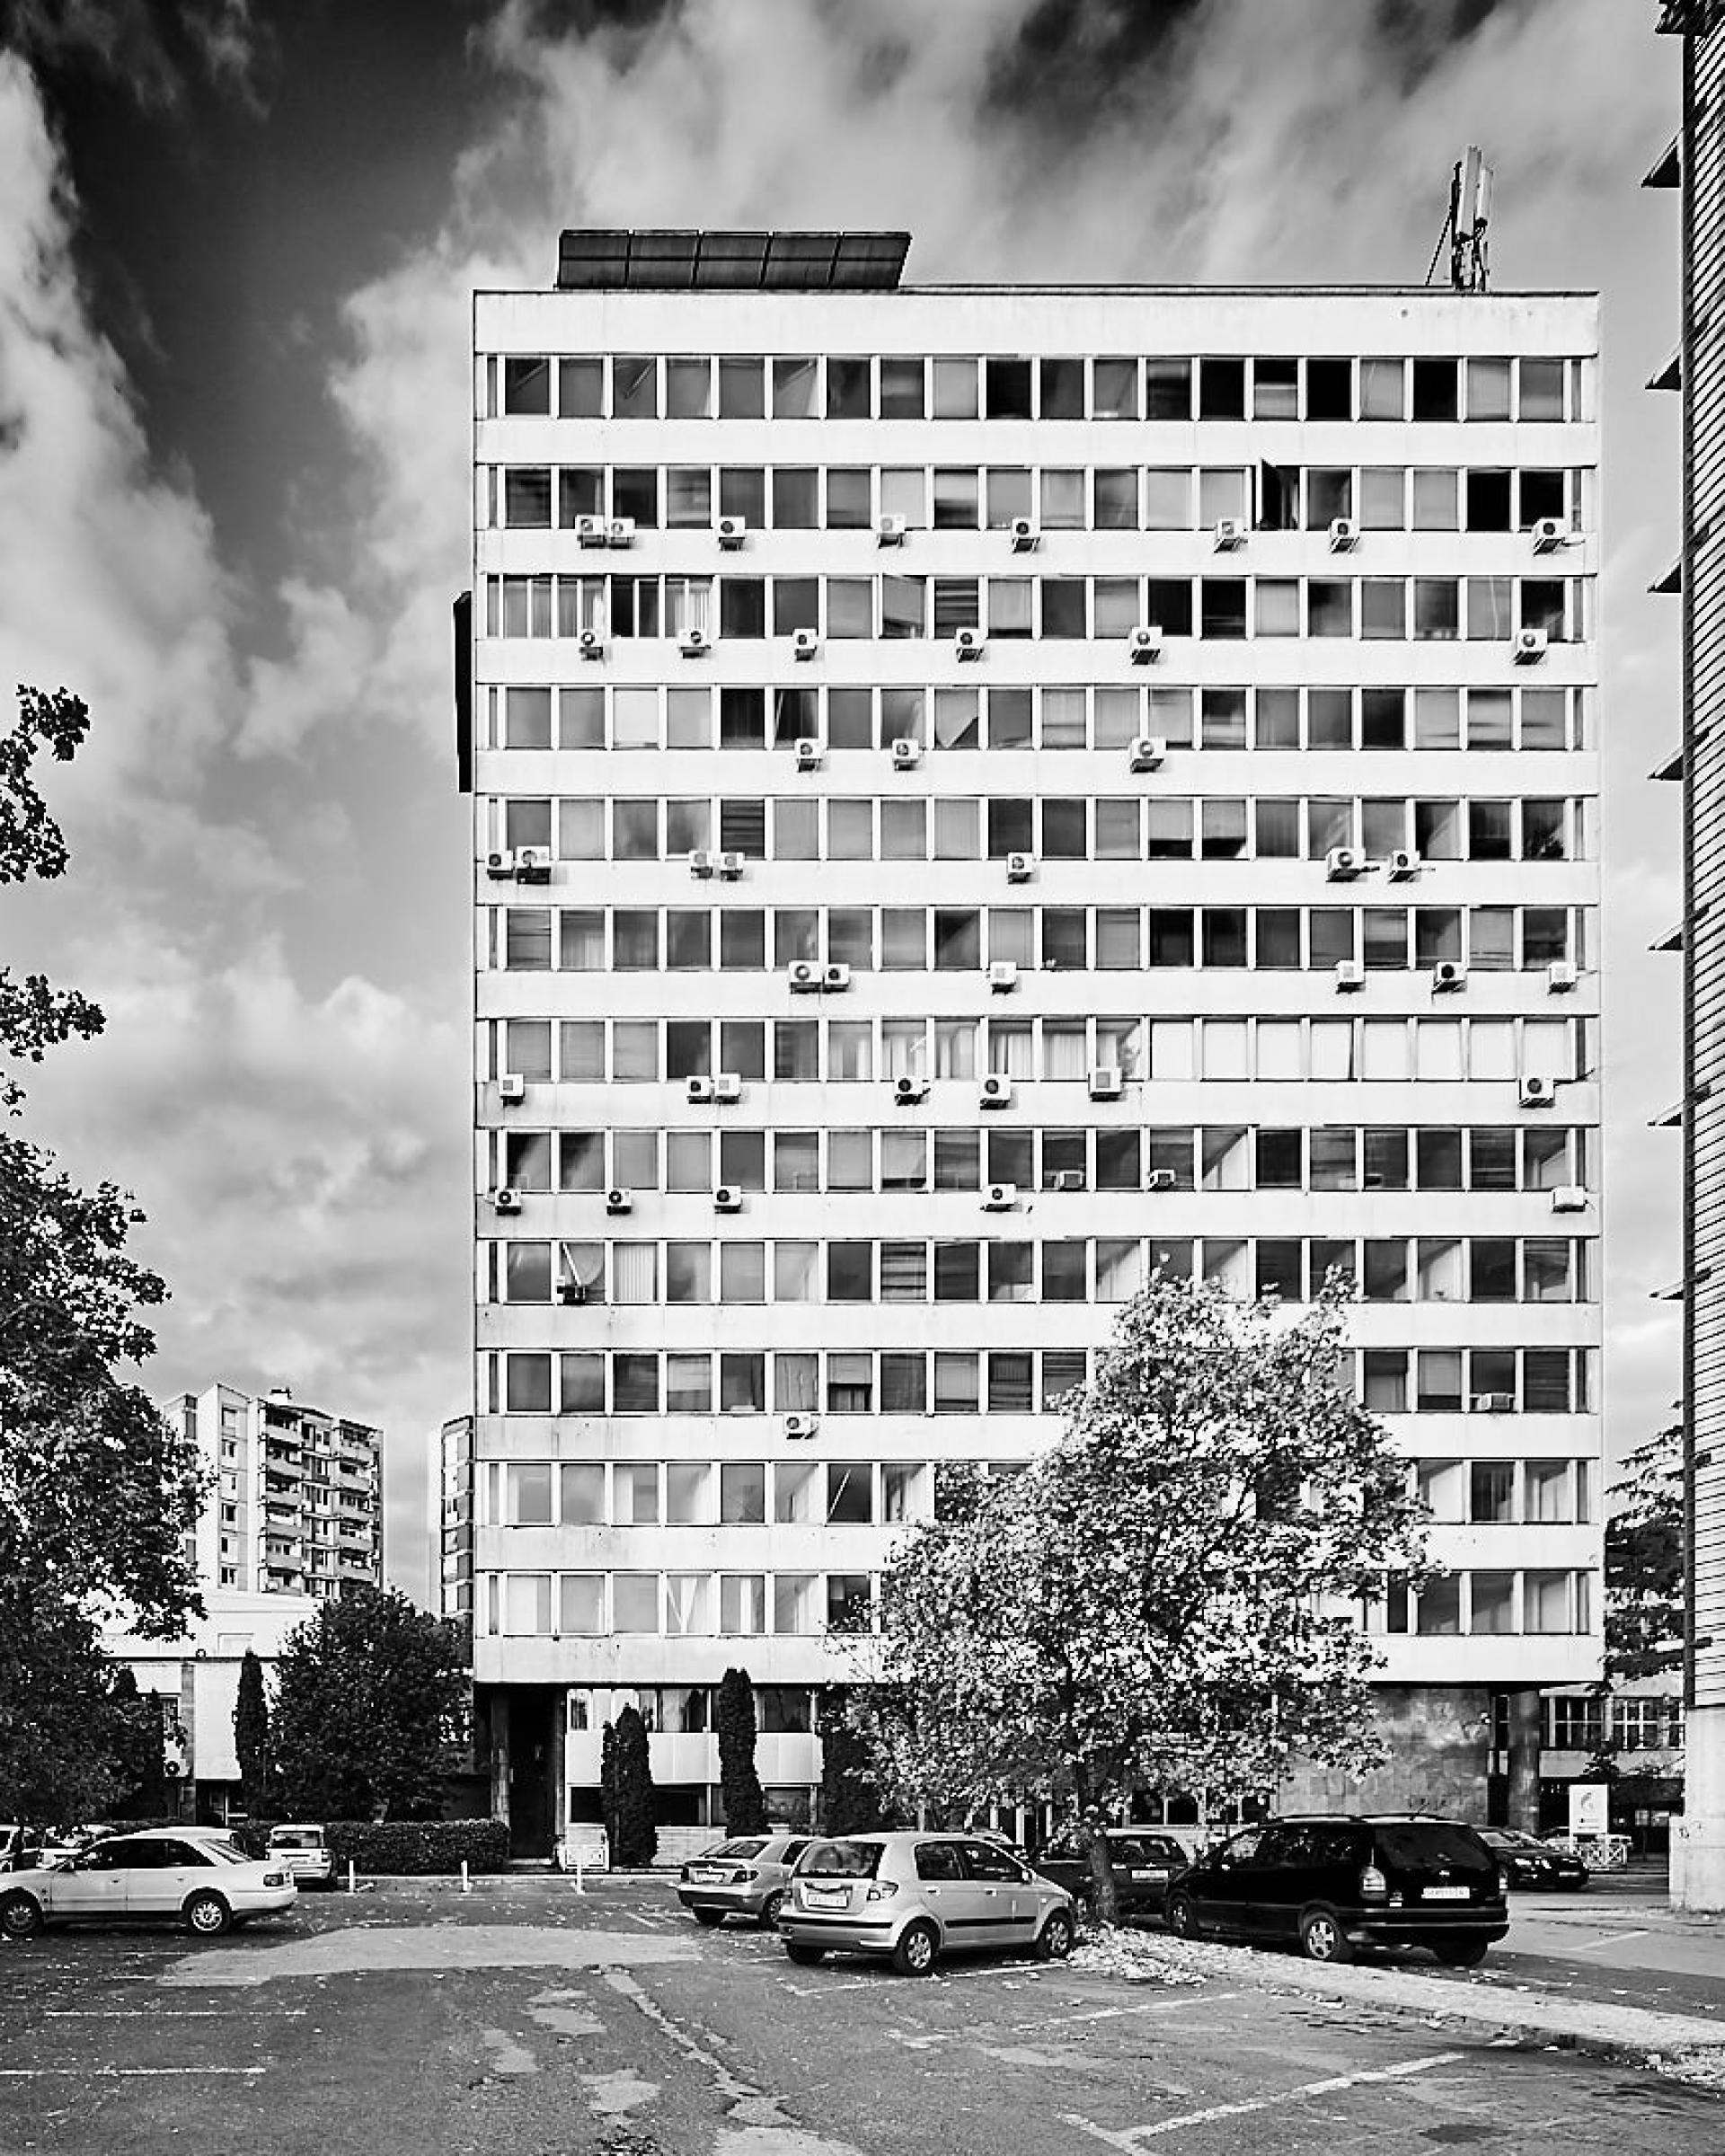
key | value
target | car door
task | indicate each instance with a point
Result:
(148, 1881)
(180, 1868)
(94, 1884)
(953, 1900)
(1061, 1862)
(1007, 1912)
(1218, 1886)
(1277, 1881)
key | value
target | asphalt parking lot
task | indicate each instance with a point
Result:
(412, 2021)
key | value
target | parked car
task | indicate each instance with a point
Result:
(912, 1897)
(745, 1876)
(19, 1846)
(1334, 1882)
(1144, 1863)
(180, 1872)
(1525, 1860)
(304, 1850)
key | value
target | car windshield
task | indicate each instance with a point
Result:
(746, 1847)
(1432, 1842)
(296, 1837)
(842, 1860)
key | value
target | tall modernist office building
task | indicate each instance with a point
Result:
(1696, 161)
(979, 792)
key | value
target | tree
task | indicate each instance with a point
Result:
(251, 1744)
(608, 1787)
(637, 1835)
(1644, 1562)
(1166, 1598)
(98, 1493)
(370, 1695)
(853, 1800)
(745, 1803)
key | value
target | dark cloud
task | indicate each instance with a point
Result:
(1071, 58)
(155, 50)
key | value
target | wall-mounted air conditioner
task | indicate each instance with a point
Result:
(732, 531)
(1024, 535)
(906, 753)
(1019, 867)
(804, 644)
(1148, 752)
(808, 753)
(1000, 1197)
(1107, 1082)
(1003, 975)
(996, 1091)
(511, 1089)
(1447, 975)
(1342, 864)
(835, 979)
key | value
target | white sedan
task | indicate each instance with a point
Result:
(195, 1876)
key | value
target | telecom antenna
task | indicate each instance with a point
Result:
(1466, 227)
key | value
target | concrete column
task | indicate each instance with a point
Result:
(1526, 1720)
(1698, 1835)
(500, 1756)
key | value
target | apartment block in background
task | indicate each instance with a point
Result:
(980, 793)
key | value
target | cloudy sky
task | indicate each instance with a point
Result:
(237, 239)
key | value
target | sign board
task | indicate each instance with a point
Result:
(1589, 1808)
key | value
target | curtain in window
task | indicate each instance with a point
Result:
(904, 1272)
(1065, 1049)
(1010, 1049)
(686, 1603)
(635, 1272)
(794, 1382)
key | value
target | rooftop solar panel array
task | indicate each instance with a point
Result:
(735, 261)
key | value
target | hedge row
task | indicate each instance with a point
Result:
(400, 1846)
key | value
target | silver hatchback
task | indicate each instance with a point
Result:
(745, 1876)
(912, 1897)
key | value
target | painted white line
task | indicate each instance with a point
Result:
(157, 2013)
(811, 1990)
(1113, 2013)
(1130, 2138)
(117, 2073)
(1589, 1946)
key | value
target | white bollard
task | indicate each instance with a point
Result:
(352, 1888)
(580, 1872)
(466, 1884)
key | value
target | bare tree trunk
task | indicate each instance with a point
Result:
(1094, 1841)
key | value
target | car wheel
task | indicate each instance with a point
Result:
(1054, 1942)
(805, 1955)
(1461, 1953)
(1183, 1917)
(208, 1916)
(914, 1956)
(708, 1918)
(770, 1909)
(1323, 1938)
(21, 1916)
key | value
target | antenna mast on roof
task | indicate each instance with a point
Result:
(1466, 227)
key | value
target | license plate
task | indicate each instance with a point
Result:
(1445, 1894)
(707, 1879)
(1149, 1875)
(826, 1898)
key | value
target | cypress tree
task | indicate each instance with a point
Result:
(851, 1800)
(739, 1786)
(637, 1835)
(608, 1787)
(252, 1738)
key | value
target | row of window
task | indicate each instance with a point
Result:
(1586, 1723)
(1163, 1050)
(1113, 1157)
(681, 1605)
(1050, 827)
(862, 1493)
(1497, 1268)
(892, 386)
(969, 498)
(1390, 1380)
(1056, 717)
(1074, 938)
(1426, 609)
(689, 1709)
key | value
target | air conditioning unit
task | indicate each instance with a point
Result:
(804, 976)
(532, 864)
(967, 643)
(1344, 535)
(1000, 1197)
(505, 1200)
(1569, 1197)
(1143, 645)
(571, 1293)
(1003, 975)
(906, 753)
(732, 531)
(1229, 535)
(1548, 535)
(698, 1090)
(799, 1427)
(1148, 752)
(1403, 866)
(1560, 976)
(995, 1091)
(1342, 864)
(1447, 975)
(695, 644)
(1067, 1179)
(1161, 1179)
(1492, 1403)
(1350, 974)
(1529, 646)
(701, 862)
(728, 1087)
(908, 1092)
(1019, 867)
(590, 644)
(500, 866)
(727, 1198)
(1538, 1092)
(889, 531)
(511, 1089)
(1107, 1082)
(731, 866)
(619, 1201)
(804, 644)
(620, 532)
(589, 531)
(808, 753)
(1024, 535)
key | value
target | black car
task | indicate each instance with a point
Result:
(1526, 1861)
(1144, 1862)
(1334, 1882)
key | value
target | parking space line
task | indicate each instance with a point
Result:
(157, 2013)
(119, 2074)
(1113, 2013)
(1131, 2138)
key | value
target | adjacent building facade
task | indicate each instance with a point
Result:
(980, 793)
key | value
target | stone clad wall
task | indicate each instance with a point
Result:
(1438, 1739)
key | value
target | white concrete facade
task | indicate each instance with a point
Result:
(697, 1429)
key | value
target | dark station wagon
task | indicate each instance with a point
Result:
(1144, 1864)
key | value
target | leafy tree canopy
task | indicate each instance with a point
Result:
(1644, 1562)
